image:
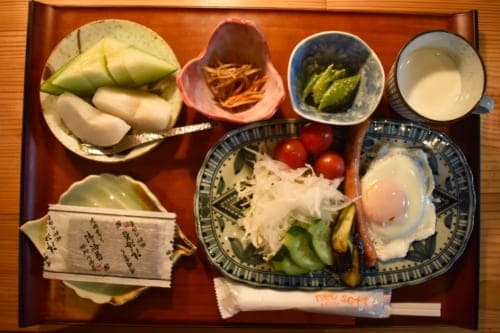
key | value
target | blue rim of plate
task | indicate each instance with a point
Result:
(216, 208)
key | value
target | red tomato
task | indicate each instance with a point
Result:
(316, 137)
(292, 152)
(331, 164)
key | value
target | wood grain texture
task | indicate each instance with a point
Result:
(13, 22)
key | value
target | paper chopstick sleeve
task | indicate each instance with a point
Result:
(234, 297)
(129, 247)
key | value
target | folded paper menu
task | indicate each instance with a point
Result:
(129, 247)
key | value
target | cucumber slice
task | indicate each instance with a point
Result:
(284, 264)
(297, 242)
(321, 240)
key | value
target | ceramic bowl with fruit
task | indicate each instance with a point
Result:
(106, 79)
(233, 79)
(335, 78)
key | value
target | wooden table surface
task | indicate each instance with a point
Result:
(13, 23)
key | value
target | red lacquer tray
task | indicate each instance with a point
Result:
(48, 168)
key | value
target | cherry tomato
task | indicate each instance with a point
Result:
(292, 152)
(316, 137)
(330, 164)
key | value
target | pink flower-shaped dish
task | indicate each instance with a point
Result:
(233, 41)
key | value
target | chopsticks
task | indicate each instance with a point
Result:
(416, 309)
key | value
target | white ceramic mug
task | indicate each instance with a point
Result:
(438, 77)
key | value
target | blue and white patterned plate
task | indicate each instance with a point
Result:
(217, 208)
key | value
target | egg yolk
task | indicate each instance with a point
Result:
(385, 202)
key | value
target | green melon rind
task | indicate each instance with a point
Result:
(131, 66)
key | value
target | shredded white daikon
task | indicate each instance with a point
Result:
(278, 195)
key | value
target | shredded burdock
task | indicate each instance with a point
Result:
(235, 87)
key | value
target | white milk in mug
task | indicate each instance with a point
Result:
(430, 82)
(438, 77)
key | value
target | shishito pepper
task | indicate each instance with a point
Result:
(330, 89)
(322, 83)
(310, 84)
(345, 248)
(339, 93)
(341, 236)
(342, 239)
(352, 276)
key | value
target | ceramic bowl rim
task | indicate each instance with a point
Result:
(373, 54)
(221, 114)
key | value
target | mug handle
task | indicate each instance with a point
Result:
(486, 105)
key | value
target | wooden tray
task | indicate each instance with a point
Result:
(48, 168)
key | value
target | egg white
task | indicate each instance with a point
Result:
(409, 168)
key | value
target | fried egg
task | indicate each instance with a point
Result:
(397, 200)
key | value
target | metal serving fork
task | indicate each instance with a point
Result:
(134, 140)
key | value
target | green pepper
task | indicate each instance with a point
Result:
(339, 74)
(322, 83)
(342, 231)
(342, 239)
(308, 89)
(325, 80)
(352, 276)
(339, 93)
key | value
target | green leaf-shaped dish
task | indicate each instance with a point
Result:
(107, 191)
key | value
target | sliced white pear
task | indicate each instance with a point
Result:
(88, 123)
(142, 110)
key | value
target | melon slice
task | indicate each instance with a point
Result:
(71, 78)
(93, 63)
(108, 62)
(131, 66)
(48, 87)
(143, 67)
(88, 123)
(114, 63)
